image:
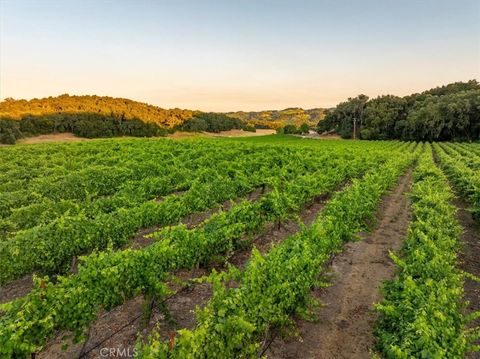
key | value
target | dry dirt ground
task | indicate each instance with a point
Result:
(344, 328)
(470, 259)
(70, 137)
(231, 133)
(241, 133)
(16, 289)
(56, 137)
(321, 137)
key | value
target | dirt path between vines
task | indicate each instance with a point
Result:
(470, 259)
(345, 322)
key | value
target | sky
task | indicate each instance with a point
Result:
(228, 55)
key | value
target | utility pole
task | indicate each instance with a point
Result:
(354, 127)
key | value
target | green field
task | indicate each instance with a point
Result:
(102, 222)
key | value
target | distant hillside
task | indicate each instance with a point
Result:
(102, 116)
(120, 108)
(126, 109)
(276, 119)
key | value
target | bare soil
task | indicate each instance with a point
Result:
(16, 289)
(321, 137)
(70, 137)
(230, 133)
(180, 135)
(344, 328)
(470, 259)
(241, 133)
(54, 137)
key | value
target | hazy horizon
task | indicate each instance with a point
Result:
(236, 56)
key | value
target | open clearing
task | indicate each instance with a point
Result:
(230, 133)
(55, 137)
(70, 137)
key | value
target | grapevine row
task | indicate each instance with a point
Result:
(106, 279)
(159, 180)
(51, 247)
(471, 159)
(275, 286)
(422, 314)
(98, 181)
(465, 179)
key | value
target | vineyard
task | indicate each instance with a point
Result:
(239, 248)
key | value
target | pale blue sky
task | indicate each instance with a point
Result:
(233, 55)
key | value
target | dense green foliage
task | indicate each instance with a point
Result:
(303, 128)
(102, 105)
(422, 315)
(290, 130)
(211, 122)
(109, 189)
(85, 116)
(462, 166)
(295, 174)
(90, 125)
(98, 116)
(293, 130)
(72, 213)
(128, 272)
(275, 286)
(450, 112)
(100, 206)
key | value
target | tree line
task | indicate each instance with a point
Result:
(86, 116)
(445, 113)
(293, 130)
(94, 125)
(106, 106)
(212, 122)
(89, 125)
(97, 116)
